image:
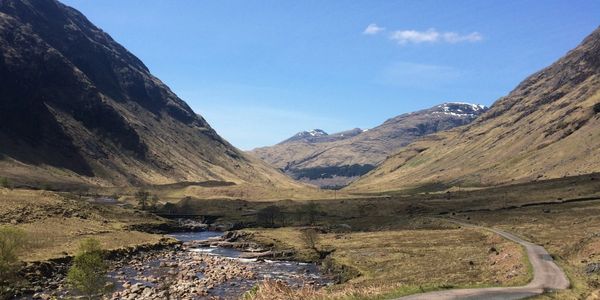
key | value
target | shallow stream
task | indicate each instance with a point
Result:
(219, 272)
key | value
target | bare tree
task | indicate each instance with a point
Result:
(310, 237)
(142, 197)
(268, 215)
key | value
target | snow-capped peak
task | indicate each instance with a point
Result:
(475, 107)
(316, 132)
(460, 109)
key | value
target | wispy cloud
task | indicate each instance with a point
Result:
(403, 37)
(373, 29)
(431, 35)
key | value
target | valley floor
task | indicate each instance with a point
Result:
(379, 246)
(399, 262)
(55, 223)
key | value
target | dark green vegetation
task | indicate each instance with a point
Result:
(12, 242)
(87, 274)
(5, 183)
(597, 108)
(385, 210)
(354, 170)
(145, 200)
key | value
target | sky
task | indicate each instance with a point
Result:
(261, 71)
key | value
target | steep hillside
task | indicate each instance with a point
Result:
(337, 159)
(78, 108)
(547, 127)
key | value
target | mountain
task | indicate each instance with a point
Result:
(337, 159)
(77, 108)
(547, 127)
(310, 135)
(320, 136)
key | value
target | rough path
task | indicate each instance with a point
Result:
(547, 276)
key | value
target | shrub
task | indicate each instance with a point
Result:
(142, 197)
(309, 212)
(169, 208)
(267, 216)
(597, 107)
(310, 237)
(153, 202)
(12, 242)
(5, 183)
(88, 272)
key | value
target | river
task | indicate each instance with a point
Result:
(203, 272)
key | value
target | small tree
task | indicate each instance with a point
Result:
(169, 208)
(88, 272)
(142, 197)
(267, 216)
(186, 205)
(310, 211)
(5, 183)
(310, 237)
(153, 202)
(12, 242)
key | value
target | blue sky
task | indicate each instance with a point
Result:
(260, 71)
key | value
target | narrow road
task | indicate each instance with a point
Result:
(547, 276)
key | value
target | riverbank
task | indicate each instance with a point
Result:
(402, 261)
(184, 269)
(198, 272)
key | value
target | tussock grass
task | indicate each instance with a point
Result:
(570, 232)
(404, 261)
(55, 223)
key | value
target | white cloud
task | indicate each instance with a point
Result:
(403, 37)
(373, 29)
(413, 36)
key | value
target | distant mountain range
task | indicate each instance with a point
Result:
(547, 127)
(334, 160)
(77, 108)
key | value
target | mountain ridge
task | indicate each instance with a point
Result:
(545, 128)
(79, 108)
(336, 159)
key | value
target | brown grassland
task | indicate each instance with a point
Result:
(389, 244)
(55, 223)
(405, 261)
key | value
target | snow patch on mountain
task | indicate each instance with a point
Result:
(460, 109)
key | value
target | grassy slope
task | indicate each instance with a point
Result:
(55, 223)
(545, 128)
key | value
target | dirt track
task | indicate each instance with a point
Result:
(547, 276)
